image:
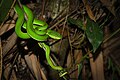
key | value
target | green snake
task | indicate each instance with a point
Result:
(36, 29)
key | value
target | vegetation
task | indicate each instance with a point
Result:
(88, 49)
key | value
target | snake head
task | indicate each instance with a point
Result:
(53, 34)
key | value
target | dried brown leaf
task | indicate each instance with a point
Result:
(89, 11)
(0, 58)
(97, 67)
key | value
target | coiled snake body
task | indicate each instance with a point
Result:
(35, 29)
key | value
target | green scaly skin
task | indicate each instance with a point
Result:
(19, 23)
(31, 31)
(47, 49)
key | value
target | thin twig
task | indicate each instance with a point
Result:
(111, 35)
(61, 20)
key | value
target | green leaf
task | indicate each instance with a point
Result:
(77, 22)
(80, 66)
(5, 6)
(94, 34)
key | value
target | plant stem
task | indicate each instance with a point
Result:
(111, 35)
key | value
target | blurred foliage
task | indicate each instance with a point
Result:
(92, 30)
(5, 6)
